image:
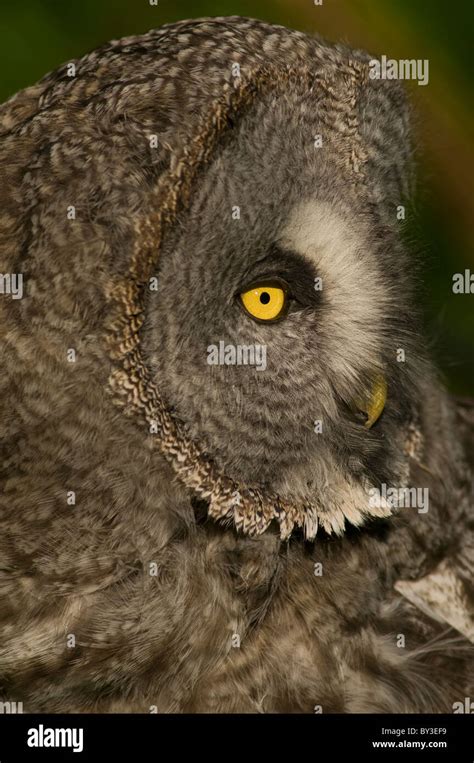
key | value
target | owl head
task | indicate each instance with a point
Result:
(253, 299)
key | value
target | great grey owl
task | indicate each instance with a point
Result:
(231, 480)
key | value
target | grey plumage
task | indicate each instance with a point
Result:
(166, 607)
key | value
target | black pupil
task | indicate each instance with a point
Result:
(264, 298)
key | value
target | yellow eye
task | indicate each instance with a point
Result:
(265, 303)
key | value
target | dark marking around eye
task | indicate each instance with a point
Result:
(279, 264)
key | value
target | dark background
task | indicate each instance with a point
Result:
(38, 35)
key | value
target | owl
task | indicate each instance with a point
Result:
(232, 480)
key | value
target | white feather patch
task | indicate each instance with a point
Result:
(440, 595)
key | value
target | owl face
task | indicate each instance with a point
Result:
(281, 299)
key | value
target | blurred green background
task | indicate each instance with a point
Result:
(38, 35)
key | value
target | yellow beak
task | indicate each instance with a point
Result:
(375, 403)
